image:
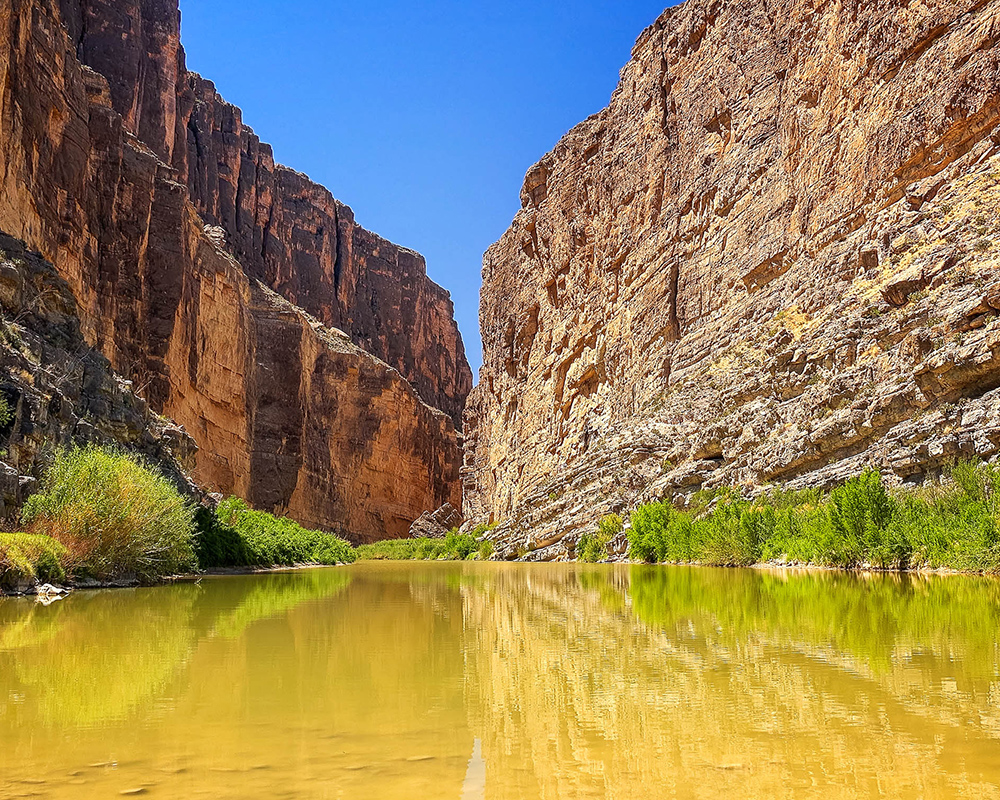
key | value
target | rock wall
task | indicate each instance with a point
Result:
(60, 392)
(772, 258)
(284, 229)
(286, 411)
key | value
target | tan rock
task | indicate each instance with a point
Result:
(709, 269)
(437, 525)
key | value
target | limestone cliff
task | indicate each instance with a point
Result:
(772, 258)
(186, 248)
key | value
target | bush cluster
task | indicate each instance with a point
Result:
(454, 547)
(593, 546)
(25, 558)
(234, 535)
(114, 517)
(953, 524)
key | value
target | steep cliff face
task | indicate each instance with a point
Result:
(60, 392)
(771, 258)
(286, 412)
(284, 229)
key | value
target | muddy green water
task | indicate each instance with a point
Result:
(506, 681)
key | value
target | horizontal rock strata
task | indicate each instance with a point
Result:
(772, 258)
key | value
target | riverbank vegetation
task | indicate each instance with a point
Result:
(103, 515)
(234, 535)
(594, 546)
(112, 517)
(954, 523)
(25, 558)
(454, 547)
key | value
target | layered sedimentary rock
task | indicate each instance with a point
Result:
(285, 230)
(174, 247)
(772, 258)
(60, 392)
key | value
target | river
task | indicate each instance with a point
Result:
(469, 681)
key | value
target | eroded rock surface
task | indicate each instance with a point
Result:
(772, 258)
(59, 391)
(437, 524)
(186, 248)
(284, 229)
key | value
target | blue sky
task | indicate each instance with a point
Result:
(422, 116)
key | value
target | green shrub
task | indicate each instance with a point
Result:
(461, 545)
(454, 547)
(237, 536)
(115, 517)
(25, 558)
(485, 550)
(860, 514)
(218, 545)
(733, 534)
(955, 524)
(648, 537)
(593, 546)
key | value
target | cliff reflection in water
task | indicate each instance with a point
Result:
(504, 681)
(689, 682)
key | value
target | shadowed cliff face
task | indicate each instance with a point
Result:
(284, 229)
(288, 413)
(771, 258)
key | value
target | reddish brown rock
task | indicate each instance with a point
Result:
(287, 412)
(284, 229)
(692, 293)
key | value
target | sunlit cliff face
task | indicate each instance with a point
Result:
(770, 258)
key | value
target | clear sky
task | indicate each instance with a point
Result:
(421, 116)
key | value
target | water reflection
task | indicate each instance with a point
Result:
(561, 681)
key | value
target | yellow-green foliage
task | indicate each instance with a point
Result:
(115, 516)
(955, 524)
(593, 546)
(25, 557)
(6, 412)
(454, 547)
(474, 546)
(793, 320)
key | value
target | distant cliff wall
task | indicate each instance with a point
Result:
(286, 412)
(284, 229)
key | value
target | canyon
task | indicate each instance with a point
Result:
(315, 365)
(771, 260)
